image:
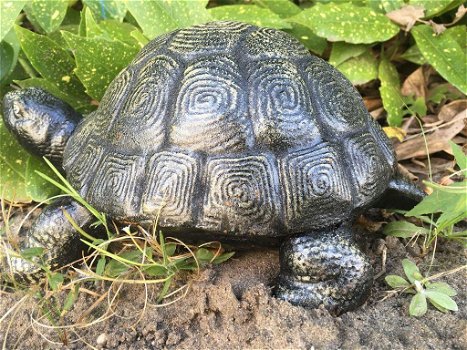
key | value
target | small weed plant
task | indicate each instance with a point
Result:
(130, 256)
(437, 293)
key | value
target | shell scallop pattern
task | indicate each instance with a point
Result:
(230, 128)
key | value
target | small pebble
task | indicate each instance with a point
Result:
(102, 339)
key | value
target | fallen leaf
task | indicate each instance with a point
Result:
(435, 142)
(372, 103)
(450, 110)
(415, 84)
(395, 132)
(406, 16)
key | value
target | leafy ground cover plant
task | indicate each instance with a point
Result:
(437, 293)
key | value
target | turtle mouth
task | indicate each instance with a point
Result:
(12, 111)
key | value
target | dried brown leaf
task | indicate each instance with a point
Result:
(450, 110)
(406, 16)
(415, 84)
(435, 142)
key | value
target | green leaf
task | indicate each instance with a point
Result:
(284, 8)
(385, 6)
(413, 54)
(55, 280)
(18, 179)
(99, 61)
(361, 69)
(411, 270)
(415, 106)
(347, 22)
(51, 60)
(47, 14)
(222, 258)
(156, 270)
(403, 229)
(157, 17)
(444, 53)
(79, 104)
(418, 305)
(395, 281)
(108, 9)
(33, 252)
(461, 158)
(100, 266)
(9, 11)
(441, 287)
(436, 7)
(341, 52)
(70, 298)
(251, 14)
(204, 255)
(9, 49)
(170, 249)
(306, 36)
(390, 92)
(441, 299)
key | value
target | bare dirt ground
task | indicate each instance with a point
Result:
(230, 306)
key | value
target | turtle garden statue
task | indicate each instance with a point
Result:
(223, 130)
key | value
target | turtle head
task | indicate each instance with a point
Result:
(41, 122)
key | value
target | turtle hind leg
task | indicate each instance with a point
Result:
(52, 231)
(324, 268)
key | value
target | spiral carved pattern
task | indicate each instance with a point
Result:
(316, 189)
(81, 172)
(115, 95)
(209, 110)
(152, 49)
(141, 125)
(369, 169)
(170, 188)
(219, 37)
(280, 105)
(241, 197)
(114, 188)
(267, 42)
(341, 107)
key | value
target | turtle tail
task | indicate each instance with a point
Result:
(400, 194)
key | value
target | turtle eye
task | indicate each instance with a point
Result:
(17, 110)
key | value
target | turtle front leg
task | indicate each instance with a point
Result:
(53, 231)
(324, 268)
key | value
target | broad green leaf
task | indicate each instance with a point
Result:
(91, 27)
(108, 9)
(395, 281)
(252, 14)
(47, 14)
(385, 5)
(9, 11)
(156, 17)
(284, 8)
(403, 229)
(450, 204)
(204, 255)
(51, 60)
(32, 252)
(99, 61)
(441, 287)
(444, 53)
(418, 305)
(411, 270)
(361, 69)
(415, 106)
(170, 249)
(9, 50)
(441, 299)
(347, 22)
(461, 158)
(156, 270)
(18, 180)
(342, 51)
(390, 92)
(436, 7)
(79, 104)
(306, 36)
(413, 54)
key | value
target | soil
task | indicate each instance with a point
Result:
(229, 306)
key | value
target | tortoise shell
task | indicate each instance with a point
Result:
(230, 128)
